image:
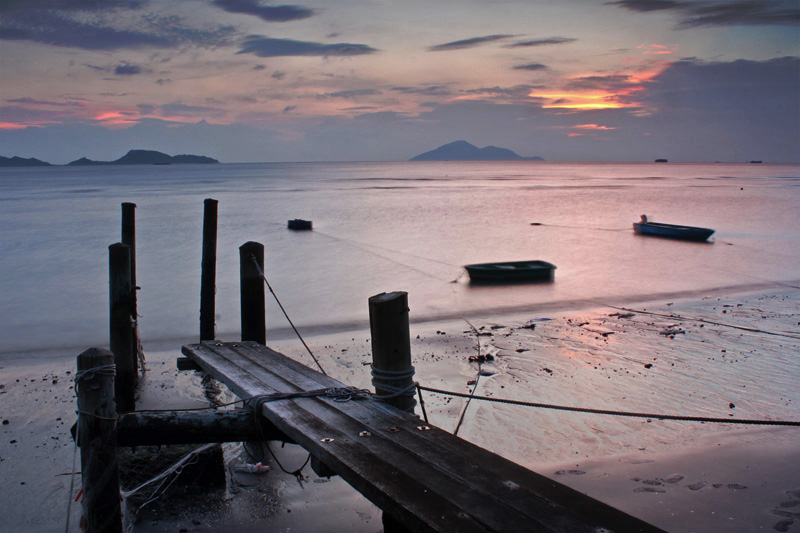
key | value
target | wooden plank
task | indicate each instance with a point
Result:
(426, 479)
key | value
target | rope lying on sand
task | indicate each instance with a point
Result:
(615, 413)
(678, 317)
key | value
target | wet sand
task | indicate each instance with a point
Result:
(725, 355)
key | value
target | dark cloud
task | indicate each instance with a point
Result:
(277, 75)
(183, 110)
(531, 66)
(127, 70)
(8, 6)
(357, 93)
(728, 13)
(612, 82)
(269, 13)
(769, 88)
(289, 108)
(644, 6)
(542, 42)
(266, 47)
(65, 24)
(163, 81)
(32, 101)
(431, 90)
(467, 43)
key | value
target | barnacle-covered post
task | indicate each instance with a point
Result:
(97, 419)
(121, 330)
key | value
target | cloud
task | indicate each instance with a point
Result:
(726, 13)
(542, 42)
(611, 82)
(8, 6)
(127, 70)
(431, 90)
(66, 24)
(531, 66)
(357, 93)
(32, 101)
(284, 13)
(266, 47)
(467, 43)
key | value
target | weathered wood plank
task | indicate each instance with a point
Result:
(426, 479)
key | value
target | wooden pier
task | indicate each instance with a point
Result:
(423, 478)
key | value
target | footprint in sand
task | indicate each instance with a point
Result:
(697, 486)
(573, 472)
(789, 509)
(648, 489)
(674, 478)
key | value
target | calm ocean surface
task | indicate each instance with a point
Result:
(378, 227)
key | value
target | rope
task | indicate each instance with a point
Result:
(617, 413)
(89, 373)
(174, 468)
(364, 247)
(261, 273)
(477, 378)
(678, 317)
(384, 380)
(71, 483)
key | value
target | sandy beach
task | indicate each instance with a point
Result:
(721, 355)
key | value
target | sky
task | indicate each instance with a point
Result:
(385, 80)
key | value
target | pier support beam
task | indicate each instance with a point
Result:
(97, 420)
(254, 313)
(121, 327)
(181, 427)
(392, 373)
(208, 271)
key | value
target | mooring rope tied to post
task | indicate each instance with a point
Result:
(261, 273)
(383, 379)
(614, 413)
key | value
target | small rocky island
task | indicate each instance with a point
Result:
(133, 157)
(464, 151)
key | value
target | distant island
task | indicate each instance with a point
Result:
(133, 157)
(464, 151)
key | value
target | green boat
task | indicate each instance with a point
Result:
(512, 271)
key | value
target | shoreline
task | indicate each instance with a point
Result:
(575, 357)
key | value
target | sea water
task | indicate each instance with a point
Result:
(378, 227)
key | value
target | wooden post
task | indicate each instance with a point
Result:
(391, 348)
(208, 273)
(121, 325)
(129, 238)
(97, 420)
(254, 314)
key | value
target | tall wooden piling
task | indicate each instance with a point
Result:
(209, 271)
(121, 331)
(391, 349)
(97, 420)
(129, 238)
(251, 284)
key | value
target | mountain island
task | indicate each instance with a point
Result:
(464, 151)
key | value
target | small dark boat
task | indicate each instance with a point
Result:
(512, 271)
(671, 231)
(299, 224)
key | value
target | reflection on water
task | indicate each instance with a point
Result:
(379, 227)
